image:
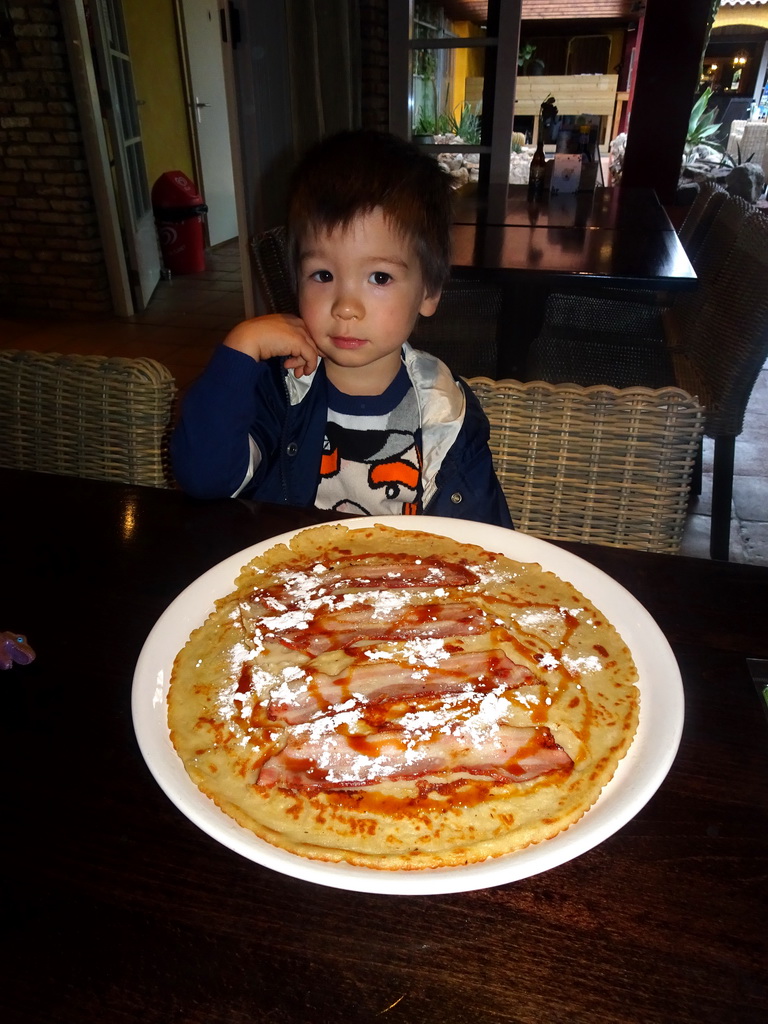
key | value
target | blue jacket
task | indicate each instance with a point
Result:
(253, 430)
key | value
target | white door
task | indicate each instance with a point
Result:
(138, 222)
(202, 33)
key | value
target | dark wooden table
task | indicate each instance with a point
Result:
(118, 909)
(588, 242)
(614, 236)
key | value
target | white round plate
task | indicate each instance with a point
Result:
(637, 778)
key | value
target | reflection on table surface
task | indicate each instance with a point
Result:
(122, 909)
(614, 235)
(605, 207)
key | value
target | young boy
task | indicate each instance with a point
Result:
(335, 409)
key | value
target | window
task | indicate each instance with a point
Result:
(442, 80)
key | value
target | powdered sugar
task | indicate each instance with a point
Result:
(429, 652)
(582, 665)
(401, 700)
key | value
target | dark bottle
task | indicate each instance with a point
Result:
(538, 169)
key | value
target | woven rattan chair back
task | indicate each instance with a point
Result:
(712, 342)
(270, 257)
(619, 313)
(698, 220)
(463, 331)
(90, 416)
(711, 260)
(597, 465)
(721, 354)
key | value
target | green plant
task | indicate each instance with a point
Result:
(525, 54)
(424, 123)
(425, 67)
(427, 123)
(738, 160)
(467, 126)
(701, 125)
(527, 62)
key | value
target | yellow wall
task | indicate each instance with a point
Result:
(467, 63)
(742, 15)
(617, 50)
(151, 31)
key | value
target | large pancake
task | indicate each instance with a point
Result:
(472, 646)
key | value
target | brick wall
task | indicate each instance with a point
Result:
(374, 37)
(51, 258)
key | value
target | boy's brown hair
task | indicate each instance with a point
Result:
(352, 173)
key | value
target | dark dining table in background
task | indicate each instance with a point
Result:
(117, 908)
(589, 242)
(616, 236)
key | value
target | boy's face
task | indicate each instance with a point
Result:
(360, 291)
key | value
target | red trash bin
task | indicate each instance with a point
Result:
(179, 209)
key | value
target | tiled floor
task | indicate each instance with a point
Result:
(749, 522)
(188, 317)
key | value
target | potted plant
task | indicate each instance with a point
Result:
(528, 64)
(466, 126)
(424, 127)
(702, 127)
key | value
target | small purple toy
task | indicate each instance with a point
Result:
(14, 647)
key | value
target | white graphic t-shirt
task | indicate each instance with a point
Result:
(371, 462)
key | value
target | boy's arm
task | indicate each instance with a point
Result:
(214, 447)
(212, 451)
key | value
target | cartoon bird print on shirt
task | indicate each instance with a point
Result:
(373, 461)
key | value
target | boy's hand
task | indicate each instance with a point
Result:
(278, 334)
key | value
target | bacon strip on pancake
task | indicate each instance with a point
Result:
(401, 570)
(299, 700)
(295, 589)
(329, 759)
(364, 623)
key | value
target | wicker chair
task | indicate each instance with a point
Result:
(718, 352)
(89, 416)
(463, 331)
(700, 217)
(618, 341)
(712, 342)
(597, 465)
(270, 257)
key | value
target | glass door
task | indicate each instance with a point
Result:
(120, 112)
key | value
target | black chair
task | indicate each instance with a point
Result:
(617, 337)
(712, 343)
(463, 330)
(700, 216)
